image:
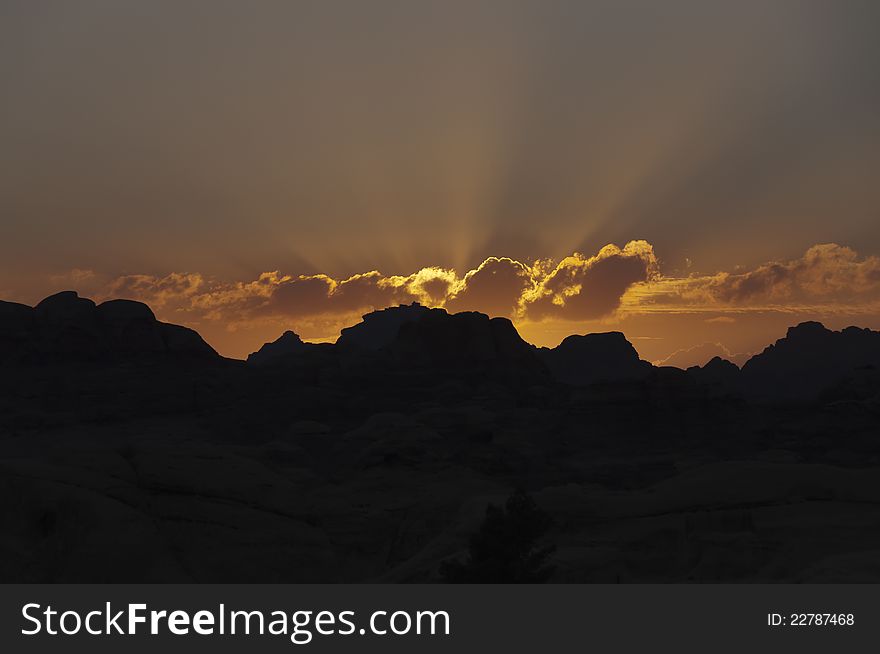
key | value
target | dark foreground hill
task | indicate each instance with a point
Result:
(130, 451)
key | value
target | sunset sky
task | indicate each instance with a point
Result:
(697, 174)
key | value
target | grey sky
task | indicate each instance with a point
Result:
(235, 137)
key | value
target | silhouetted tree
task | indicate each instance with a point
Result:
(505, 549)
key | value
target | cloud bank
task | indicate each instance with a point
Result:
(828, 277)
(614, 284)
(575, 288)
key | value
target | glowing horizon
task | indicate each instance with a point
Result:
(618, 288)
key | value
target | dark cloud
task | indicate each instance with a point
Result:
(158, 291)
(825, 270)
(582, 288)
(495, 287)
(577, 287)
(828, 275)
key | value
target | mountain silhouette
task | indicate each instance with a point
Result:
(65, 326)
(719, 375)
(131, 451)
(287, 344)
(463, 340)
(810, 360)
(420, 337)
(595, 358)
(378, 329)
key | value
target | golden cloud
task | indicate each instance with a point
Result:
(828, 276)
(495, 287)
(576, 287)
(581, 288)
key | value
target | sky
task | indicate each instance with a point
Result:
(700, 175)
